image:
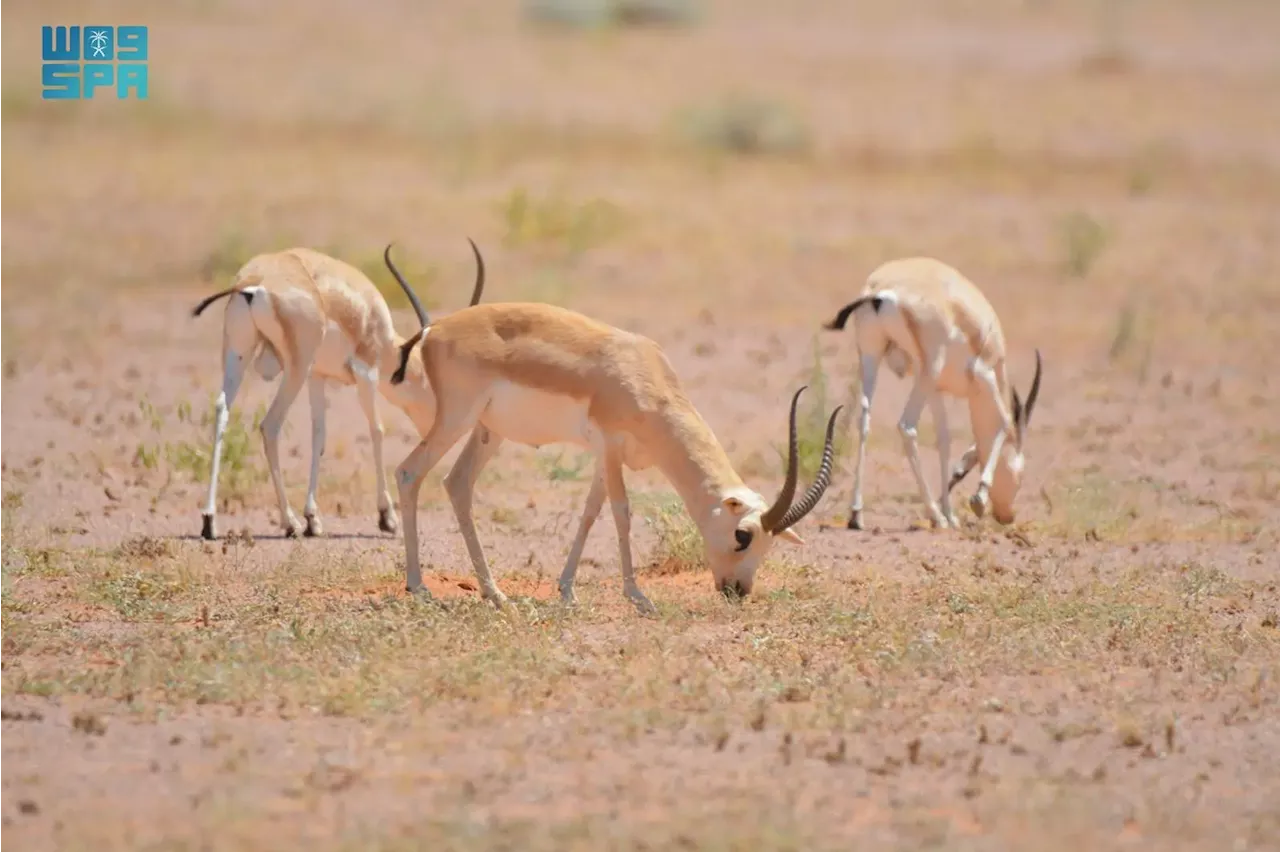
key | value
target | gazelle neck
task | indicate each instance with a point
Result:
(692, 460)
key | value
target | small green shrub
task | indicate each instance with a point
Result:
(815, 409)
(680, 547)
(746, 126)
(601, 14)
(1084, 239)
(554, 222)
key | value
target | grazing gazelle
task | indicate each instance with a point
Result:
(540, 374)
(314, 319)
(925, 319)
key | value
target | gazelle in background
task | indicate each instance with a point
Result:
(315, 319)
(539, 374)
(924, 319)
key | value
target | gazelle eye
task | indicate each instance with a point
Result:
(743, 537)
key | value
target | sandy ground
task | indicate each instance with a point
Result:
(1102, 673)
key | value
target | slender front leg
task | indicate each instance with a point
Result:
(983, 374)
(319, 405)
(449, 426)
(460, 484)
(367, 389)
(591, 511)
(920, 393)
(617, 489)
(232, 374)
(939, 407)
(272, 423)
(968, 459)
(870, 366)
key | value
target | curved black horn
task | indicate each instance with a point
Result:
(1032, 394)
(475, 295)
(769, 520)
(820, 482)
(423, 319)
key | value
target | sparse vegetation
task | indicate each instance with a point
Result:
(745, 125)
(598, 14)
(1134, 328)
(557, 469)
(816, 406)
(1084, 239)
(680, 547)
(230, 251)
(242, 471)
(554, 223)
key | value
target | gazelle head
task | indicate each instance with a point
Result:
(744, 527)
(1007, 477)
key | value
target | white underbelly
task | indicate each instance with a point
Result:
(334, 354)
(536, 418)
(956, 374)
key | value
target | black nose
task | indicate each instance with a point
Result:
(733, 589)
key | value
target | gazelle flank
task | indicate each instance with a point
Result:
(539, 374)
(924, 319)
(316, 320)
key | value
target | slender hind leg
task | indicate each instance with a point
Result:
(367, 389)
(233, 370)
(944, 458)
(870, 366)
(460, 485)
(272, 423)
(451, 423)
(590, 512)
(920, 394)
(319, 404)
(611, 463)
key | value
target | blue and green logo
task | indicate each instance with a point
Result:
(78, 61)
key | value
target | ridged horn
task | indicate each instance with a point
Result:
(820, 482)
(769, 520)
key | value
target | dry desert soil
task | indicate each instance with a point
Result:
(1100, 674)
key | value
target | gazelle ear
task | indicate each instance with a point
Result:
(735, 506)
(790, 535)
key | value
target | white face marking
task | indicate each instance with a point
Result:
(737, 518)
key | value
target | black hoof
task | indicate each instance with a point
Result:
(207, 532)
(855, 522)
(313, 528)
(384, 521)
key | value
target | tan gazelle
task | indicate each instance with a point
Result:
(315, 319)
(538, 374)
(924, 319)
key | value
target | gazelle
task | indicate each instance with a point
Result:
(540, 374)
(315, 319)
(923, 318)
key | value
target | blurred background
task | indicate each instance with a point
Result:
(720, 175)
(753, 156)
